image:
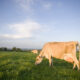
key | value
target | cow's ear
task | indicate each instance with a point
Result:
(40, 56)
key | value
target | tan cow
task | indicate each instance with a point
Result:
(35, 51)
(60, 50)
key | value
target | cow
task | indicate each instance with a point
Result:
(60, 50)
(35, 51)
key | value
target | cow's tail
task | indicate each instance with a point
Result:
(79, 55)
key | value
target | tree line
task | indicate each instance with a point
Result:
(13, 49)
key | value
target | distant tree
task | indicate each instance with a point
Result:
(14, 49)
(0, 49)
(5, 49)
(18, 49)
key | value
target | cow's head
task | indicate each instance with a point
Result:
(38, 60)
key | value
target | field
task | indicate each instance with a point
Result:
(20, 66)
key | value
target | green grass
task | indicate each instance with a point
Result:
(20, 66)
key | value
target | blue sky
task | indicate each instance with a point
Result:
(31, 23)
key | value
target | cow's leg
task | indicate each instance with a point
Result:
(74, 65)
(50, 61)
(76, 62)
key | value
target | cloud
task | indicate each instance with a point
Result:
(47, 5)
(25, 4)
(25, 29)
(29, 5)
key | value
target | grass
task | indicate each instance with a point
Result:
(20, 66)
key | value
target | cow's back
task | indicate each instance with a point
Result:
(58, 49)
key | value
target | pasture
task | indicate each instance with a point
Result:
(20, 66)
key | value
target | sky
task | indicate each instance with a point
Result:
(32, 23)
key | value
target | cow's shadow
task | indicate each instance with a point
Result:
(60, 70)
(58, 63)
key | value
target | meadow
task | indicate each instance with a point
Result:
(20, 66)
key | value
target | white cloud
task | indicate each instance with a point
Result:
(28, 5)
(25, 4)
(47, 5)
(23, 30)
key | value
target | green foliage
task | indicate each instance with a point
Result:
(14, 49)
(3, 49)
(18, 49)
(20, 66)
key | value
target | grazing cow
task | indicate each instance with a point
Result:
(60, 50)
(35, 51)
